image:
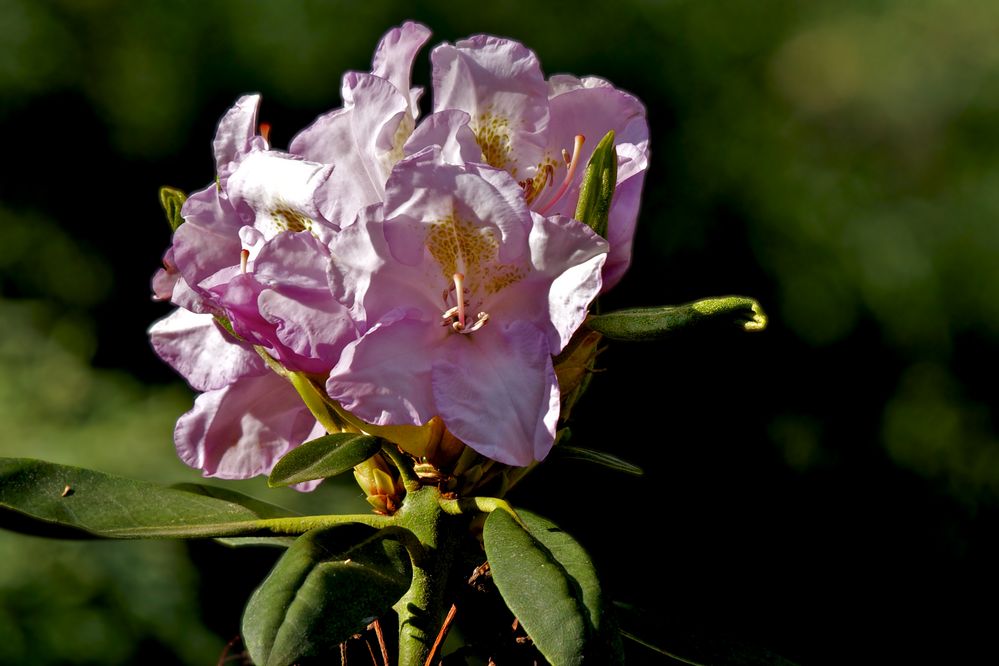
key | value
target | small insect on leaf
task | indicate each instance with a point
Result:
(67, 491)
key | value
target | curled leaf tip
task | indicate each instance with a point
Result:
(172, 200)
(742, 310)
(759, 320)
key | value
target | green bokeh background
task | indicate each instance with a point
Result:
(828, 490)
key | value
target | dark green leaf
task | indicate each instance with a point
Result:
(657, 323)
(548, 582)
(329, 585)
(597, 190)
(259, 507)
(61, 501)
(172, 201)
(597, 457)
(323, 457)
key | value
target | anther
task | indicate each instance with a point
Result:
(570, 173)
(265, 131)
(481, 320)
(244, 257)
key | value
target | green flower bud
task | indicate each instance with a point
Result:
(599, 181)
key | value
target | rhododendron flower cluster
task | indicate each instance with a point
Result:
(415, 268)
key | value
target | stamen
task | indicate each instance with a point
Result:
(481, 320)
(244, 256)
(570, 173)
(459, 288)
(265, 131)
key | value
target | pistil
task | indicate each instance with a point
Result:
(459, 292)
(455, 316)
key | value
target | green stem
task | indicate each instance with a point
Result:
(422, 609)
(314, 401)
(466, 505)
(291, 526)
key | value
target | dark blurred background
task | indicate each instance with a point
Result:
(827, 490)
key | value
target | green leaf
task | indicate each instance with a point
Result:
(548, 581)
(641, 324)
(597, 457)
(597, 190)
(172, 201)
(46, 499)
(329, 585)
(259, 507)
(323, 457)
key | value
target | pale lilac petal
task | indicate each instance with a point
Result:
(251, 240)
(279, 190)
(363, 141)
(425, 197)
(240, 431)
(189, 299)
(499, 83)
(311, 325)
(208, 240)
(566, 260)
(293, 260)
(496, 391)
(237, 135)
(563, 83)
(621, 229)
(238, 297)
(369, 282)
(632, 160)
(165, 279)
(384, 377)
(195, 347)
(448, 129)
(394, 56)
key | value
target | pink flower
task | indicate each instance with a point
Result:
(249, 253)
(528, 127)
(430, 268)
(492, 105)
(465, 295)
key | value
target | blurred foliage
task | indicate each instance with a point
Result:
(837, 160)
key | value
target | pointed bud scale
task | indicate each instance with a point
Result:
(384, 483)
(599, 181)
(172, 201)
